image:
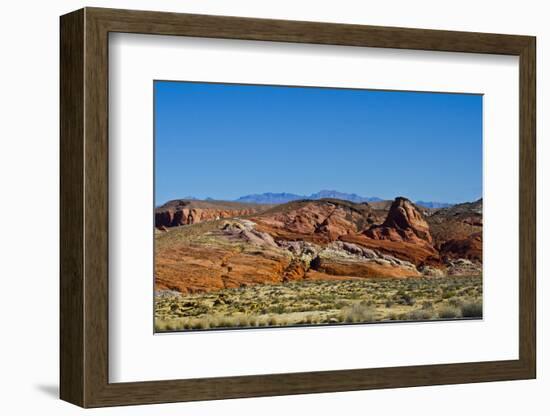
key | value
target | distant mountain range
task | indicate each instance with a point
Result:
(431, 204)
(284, 197)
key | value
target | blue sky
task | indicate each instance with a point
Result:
(228, 140)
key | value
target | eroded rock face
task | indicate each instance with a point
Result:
(403, 223)
(463, 267)
(244, 231)
(186, 212)
(348, 259)
(470, 248)
(208, 267)
(456, 223)
(184, 216)
(317, 221)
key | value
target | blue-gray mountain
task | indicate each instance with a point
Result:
(283, 197)
(271, 198)
(431, 204)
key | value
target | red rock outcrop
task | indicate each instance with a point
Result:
(457, 222)
(470, 248)
(417, 252)
(316, 221)
(404, 234)
(185, 212)
(403, 223)
(364, 269)
(174, 218)
(204, 268)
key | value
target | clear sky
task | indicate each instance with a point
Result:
(224, 141)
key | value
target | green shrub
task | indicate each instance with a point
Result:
(472, 310)
(448, 294)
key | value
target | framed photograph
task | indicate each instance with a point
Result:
(254, 207)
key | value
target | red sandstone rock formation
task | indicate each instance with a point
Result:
(470, 248)
(185, 212)
(319, 221)
(403, 223)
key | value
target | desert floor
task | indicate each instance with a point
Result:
(317, 302)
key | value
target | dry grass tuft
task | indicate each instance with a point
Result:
(357, 313)
(449, 312)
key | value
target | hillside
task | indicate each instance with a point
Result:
(458, 230)
(184, 211)
(228, 245)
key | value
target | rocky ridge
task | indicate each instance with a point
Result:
(324, 239)
(185, 212)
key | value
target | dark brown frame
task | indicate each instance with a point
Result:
(84, 209)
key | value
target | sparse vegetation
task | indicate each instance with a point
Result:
(357, 313)
(449, 312)
(472, 310)
(318, 302)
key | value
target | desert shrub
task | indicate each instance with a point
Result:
(199, 310)
(448, 294)
(243, 321)
(311, 319)
(273, 321)
(455, 302)
(406, 299)
(280, 308)
(420, 315)
(160, 326)
(388, 304)
(354, 295)
(340, 304)
(366, 303)
(472, 310)
(222, 322)
(357, 313)
(427, 305)
(168, 325)
(449, 312)
(202, 323)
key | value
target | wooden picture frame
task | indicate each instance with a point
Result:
(84, 207)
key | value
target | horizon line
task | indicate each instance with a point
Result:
(306, 197)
